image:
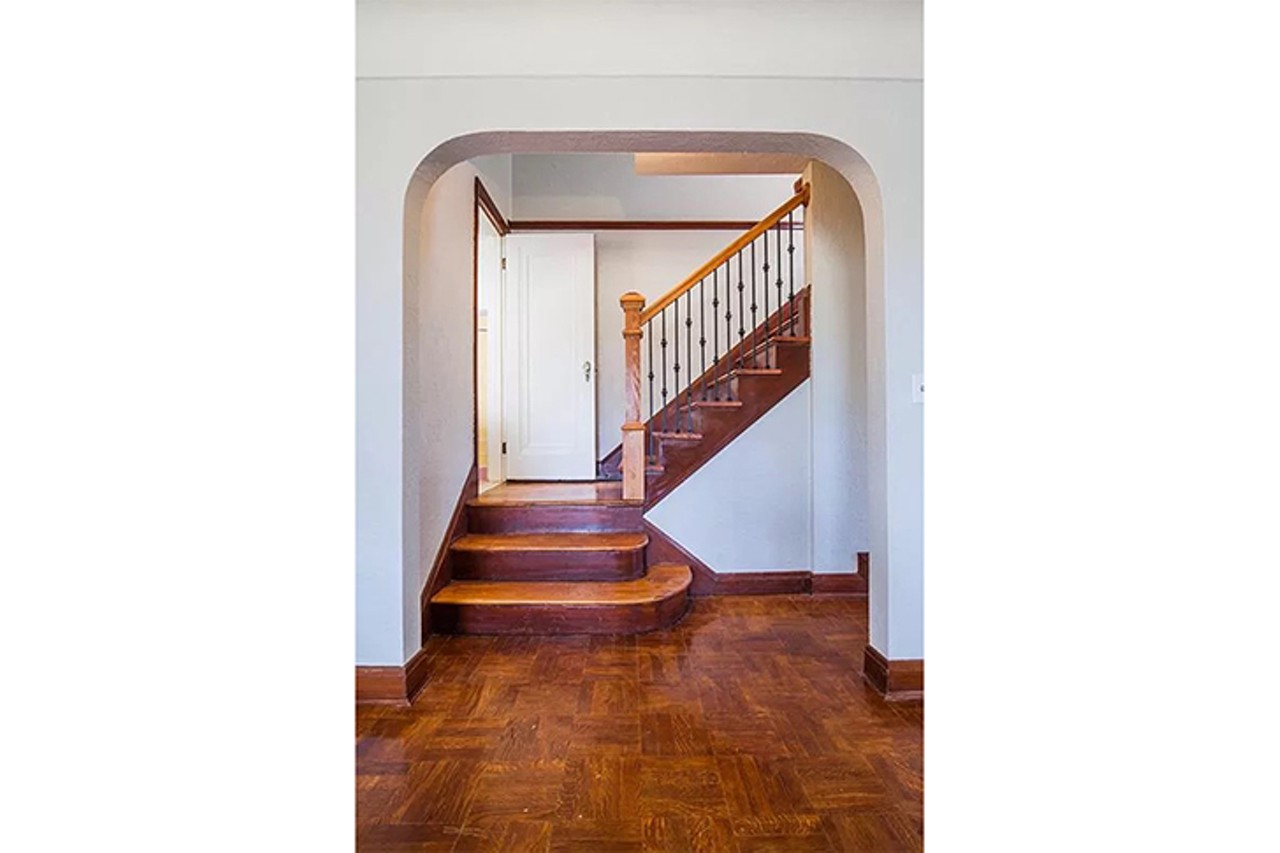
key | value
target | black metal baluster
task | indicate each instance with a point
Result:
(741, 315)
(648, 333)
(664, 369)
(790, 307)
(728, 325)
(791, 258)
(675, 330)
(754, 323)
(715, 328)
(767, 332)
(765, 283)
(702, 333)
(689, 378)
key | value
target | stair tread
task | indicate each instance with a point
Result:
(539, 494)
(713, 404)
(565, 541)
(679, 436)
(661, 582)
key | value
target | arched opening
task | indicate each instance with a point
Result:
(433, 470)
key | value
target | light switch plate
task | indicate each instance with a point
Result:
(917, 387)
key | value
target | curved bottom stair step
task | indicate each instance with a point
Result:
(657, 600)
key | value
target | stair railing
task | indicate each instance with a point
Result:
(741, 274)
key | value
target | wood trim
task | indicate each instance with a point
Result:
(706, 581)
(485, 202)
(637, 225)
(844, 583)
(663, 549)
(441, 568)
(397, 685)
(800, 198)
(764, 583)
(896, 680)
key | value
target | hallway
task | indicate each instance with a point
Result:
(746, 727)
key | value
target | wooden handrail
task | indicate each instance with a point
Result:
(800, 198)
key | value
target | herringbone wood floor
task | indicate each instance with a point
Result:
(746, 728)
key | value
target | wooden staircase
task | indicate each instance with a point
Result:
(553, 558)
(725, 402)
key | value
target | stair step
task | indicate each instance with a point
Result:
(656, 600)
(489, 518)
(557, 542)
(678, 436)
(715, 404)
(550, 557)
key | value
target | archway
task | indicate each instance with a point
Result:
(842, 158)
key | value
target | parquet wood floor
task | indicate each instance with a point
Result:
(745, 728)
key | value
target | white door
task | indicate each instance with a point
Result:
(549, 364)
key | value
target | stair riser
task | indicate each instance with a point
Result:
(554, 519)
(617, 565)
(558, 619)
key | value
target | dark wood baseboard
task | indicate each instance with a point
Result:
(840, 584)
(663, 549)
(441, 569)
(896, 680)
(706, 581)
(397, 685)
(763, 583)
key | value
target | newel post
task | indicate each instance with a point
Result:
(633, 462)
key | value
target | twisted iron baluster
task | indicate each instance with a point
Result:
(675, 329)
(648, 333)
(715, 328)
(688, 350)
(791, 259)
(741, 312)
(702, 333)
(664, 369)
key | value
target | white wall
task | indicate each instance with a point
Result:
(799, 38)
(605, 186)
(438, 436)
(749, 509)
(834, 241)
(860, 109)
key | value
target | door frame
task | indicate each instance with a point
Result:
(485, 204)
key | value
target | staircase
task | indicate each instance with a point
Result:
(722, 403)
(552, 558)
(556, 558)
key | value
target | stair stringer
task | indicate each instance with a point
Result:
(754, 498)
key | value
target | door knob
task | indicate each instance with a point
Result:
(586, 371)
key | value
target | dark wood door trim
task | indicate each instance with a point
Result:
(484, 203)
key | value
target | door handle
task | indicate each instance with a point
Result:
(586, 371)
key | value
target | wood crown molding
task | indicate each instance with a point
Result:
(896, 680)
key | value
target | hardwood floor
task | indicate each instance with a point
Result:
(747, 727)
